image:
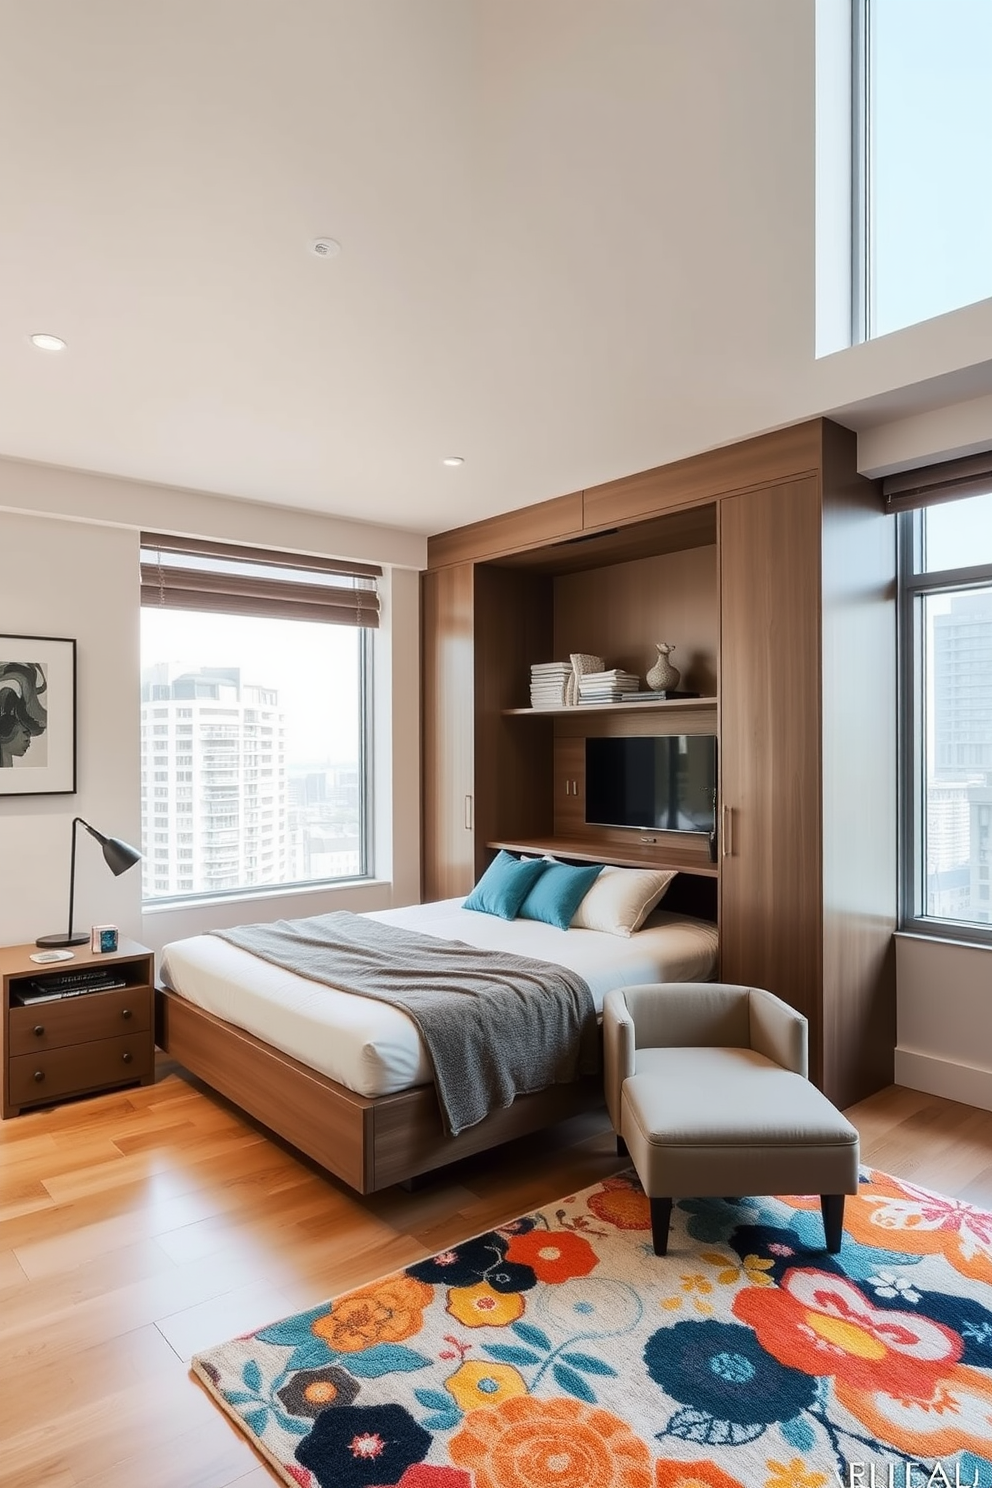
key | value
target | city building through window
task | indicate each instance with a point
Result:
(255, 720)
(946, 705)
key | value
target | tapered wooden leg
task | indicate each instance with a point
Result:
(661, 1216)
(832, 1206)
(621, 1146)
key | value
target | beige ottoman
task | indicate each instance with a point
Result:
(717, 1102)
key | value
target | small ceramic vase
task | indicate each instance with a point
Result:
(663, 677)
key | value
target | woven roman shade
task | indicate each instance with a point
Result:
(188, 573)
(949, 481)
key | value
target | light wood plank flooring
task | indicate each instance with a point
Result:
(138, 1227)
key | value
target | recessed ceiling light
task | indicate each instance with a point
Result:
(453, 460)
(325, 247)
(44, 342)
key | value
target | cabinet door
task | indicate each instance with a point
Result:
(770, 713)
(447, 619)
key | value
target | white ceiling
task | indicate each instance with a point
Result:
(577, 241)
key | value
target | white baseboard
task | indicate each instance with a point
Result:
(960, 1082)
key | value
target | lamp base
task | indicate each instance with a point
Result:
(58, 941)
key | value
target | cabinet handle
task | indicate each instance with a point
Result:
(728, 832)
(39, 1075)
(127, 1058)
(38, 1030)
(468, 813)
(125, 1012)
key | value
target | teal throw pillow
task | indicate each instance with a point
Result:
(505, 885)
(558, 893)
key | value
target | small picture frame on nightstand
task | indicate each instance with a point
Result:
(104, 938)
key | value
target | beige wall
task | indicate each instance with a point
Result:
(69, 567)
(64, 579)
(944, 1036)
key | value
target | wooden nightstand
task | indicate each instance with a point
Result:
(80, 1044)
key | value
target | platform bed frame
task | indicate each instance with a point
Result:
(369, 1144)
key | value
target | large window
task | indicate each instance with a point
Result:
(922, 159)
(946, 669)
(254, 720)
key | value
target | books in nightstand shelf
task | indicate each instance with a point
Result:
(67, 984)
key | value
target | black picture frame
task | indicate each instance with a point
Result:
(37, 716)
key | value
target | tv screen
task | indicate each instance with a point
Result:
(668, 783)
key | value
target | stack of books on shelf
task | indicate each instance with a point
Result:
(606, 687)
(549, 684)
(656, 696)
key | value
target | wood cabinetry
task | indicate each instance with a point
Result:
(770, 719)
(448, 671)
(74, 1045)
(771, 566)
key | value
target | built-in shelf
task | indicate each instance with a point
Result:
(663, 705)
(621, 855)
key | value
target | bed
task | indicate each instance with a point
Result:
(346, 1079)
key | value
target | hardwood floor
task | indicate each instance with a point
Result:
(138, 1227)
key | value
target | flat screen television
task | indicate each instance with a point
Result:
(667, 783)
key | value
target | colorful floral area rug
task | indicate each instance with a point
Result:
(559, 1352)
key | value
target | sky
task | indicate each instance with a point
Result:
(932, 157)
(313, 666)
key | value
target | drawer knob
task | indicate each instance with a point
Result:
(39, 1075)
(127, 1058)
(125, 1012)
(39, 1029)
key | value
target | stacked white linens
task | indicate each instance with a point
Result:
(375, 1049)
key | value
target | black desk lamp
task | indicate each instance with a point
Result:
(119, 858)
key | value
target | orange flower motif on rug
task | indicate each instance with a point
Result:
(385, 1313)
(693, 1475)
(557, 1443)
(553, 1256)
(903, 1217)
(822, 1324)
(621, 1205)
(954, 1416)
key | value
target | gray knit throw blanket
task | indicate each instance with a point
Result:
(495, 1025)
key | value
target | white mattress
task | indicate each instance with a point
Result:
(374, 1048)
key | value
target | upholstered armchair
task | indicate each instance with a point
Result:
(707, 1088)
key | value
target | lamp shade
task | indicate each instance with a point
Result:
(119, 856)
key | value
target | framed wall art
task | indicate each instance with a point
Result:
(37, 716)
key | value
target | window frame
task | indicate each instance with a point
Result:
(914, 585)
(366, 767)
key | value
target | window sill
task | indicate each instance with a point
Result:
(948, 940)
(260, 895)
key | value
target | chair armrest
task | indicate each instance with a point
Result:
(779, 1032)
(618, 1050)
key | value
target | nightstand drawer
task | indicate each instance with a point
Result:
(53, 1073)
(79, 1020)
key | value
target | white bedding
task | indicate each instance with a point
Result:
(374, 1048)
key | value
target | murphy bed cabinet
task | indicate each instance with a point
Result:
(770, 565)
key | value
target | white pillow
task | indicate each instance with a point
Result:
(621, 899)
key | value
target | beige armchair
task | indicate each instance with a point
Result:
(707, 1088)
